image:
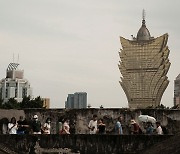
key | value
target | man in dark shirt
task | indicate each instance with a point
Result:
(36, 125)
(101, 127)
(22, 125)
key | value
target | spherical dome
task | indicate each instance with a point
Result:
(143, 33)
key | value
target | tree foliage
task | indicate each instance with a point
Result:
(11, 104)
(161, 106)
(34, 103)
(26, 103)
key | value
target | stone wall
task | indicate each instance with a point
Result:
(79, 118)
(79, 143)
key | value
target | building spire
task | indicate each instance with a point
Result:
(143, 14)
(143, 33)
(143, 18)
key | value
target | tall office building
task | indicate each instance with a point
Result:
(77, 100)
(70, 101)
(14, 85)
(144, 65)
(177, 91)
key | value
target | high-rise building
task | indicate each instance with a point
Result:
(14, 85)
(77, 100)
(177, 91)
(70, 101)
(144, 65)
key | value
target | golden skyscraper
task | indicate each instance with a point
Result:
(144, 64)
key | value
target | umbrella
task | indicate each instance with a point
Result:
(146, 118)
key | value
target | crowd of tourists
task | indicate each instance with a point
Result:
(34, 126)
(98, 127)
(22, 126)
(95, 126)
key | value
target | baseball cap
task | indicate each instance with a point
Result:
(35, 116)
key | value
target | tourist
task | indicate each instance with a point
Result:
(22, 125)
(36, 125)
(101, 127)
(158, 128)
(27, 128)
(135, 128)
(165, 130)
(149, 128)
(93, 125)
(66, 127)
(12, 126)
(47, 126)
(5, 122)
(59, 126)
(118, 126)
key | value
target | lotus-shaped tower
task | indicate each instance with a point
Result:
(144, 65)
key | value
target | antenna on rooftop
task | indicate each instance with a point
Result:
(143, 14)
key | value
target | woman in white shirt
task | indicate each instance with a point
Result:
(12, 126)
(93, 125)
(159, 129)
(47, 126)
(66, 127)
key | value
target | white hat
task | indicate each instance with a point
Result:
(35, 116)
(133, 121)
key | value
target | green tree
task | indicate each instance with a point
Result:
(11, 104)
(25, 102)
(37, 102)
(34, 103)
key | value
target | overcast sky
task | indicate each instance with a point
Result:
(68, 46)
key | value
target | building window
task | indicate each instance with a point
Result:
(16, 93)
(24, 93)
(6, 93)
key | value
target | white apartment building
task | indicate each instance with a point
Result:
(14, 85)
